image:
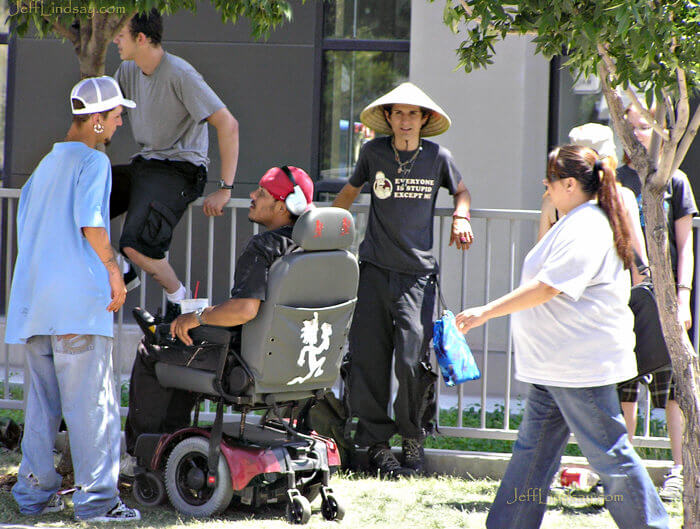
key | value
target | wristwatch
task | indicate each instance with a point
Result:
(198, 314)
(224, 185)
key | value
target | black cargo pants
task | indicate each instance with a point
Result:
(393, 319)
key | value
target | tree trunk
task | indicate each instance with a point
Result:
(686, 370)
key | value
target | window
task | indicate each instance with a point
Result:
(579, 101)
(365, 54)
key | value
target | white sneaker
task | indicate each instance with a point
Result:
(118, 513)
(672, 489)
(126, 466)
(55, 504)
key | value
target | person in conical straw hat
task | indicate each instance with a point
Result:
(398, 275)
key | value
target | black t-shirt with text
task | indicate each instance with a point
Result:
(253, 265)
(399, 232)
(678, 202)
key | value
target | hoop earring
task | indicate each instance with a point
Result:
(98, 128)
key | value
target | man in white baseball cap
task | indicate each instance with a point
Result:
(398, 275)
(65, 287)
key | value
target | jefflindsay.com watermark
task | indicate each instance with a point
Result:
(48, 8)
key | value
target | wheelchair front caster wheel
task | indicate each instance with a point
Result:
(149, 489)
(331, 509)
(298, 510)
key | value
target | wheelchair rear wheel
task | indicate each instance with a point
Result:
(186, 479)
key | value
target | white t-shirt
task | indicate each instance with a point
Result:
(584, 336)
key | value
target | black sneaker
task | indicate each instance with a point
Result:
(413, 454)
(118, 513)
(131, 279)
(382, 459)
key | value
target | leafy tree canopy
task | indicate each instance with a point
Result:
(635, 34)
(264, 15)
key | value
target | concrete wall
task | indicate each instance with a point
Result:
(499, 141)
(267, 85)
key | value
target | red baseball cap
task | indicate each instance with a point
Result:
(278, 184)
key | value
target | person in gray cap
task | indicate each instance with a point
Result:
(169, 171)
(396, 295)
(65, 287)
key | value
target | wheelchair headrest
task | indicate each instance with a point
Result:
(324, 229)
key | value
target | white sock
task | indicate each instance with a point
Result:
(176, 296)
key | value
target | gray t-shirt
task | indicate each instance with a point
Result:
(678, 202)
(399, 232)
(172, 105)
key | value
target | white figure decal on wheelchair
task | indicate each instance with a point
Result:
(309, 337)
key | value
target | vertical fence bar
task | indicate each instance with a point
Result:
(509, 331)
(188, 253)
(462, 303)
(232, 255)
(696, 293)
(9, 241)
(210, 261)
(487, 293)
(163, 299)
(441, 257)
(647, 413)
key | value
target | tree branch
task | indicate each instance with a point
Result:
(467, 10)
(610, 65)
(688, 138)
(469, 13)
(634, 149)
(683, 107)
(67, 33)
(663, 153)
(671, 111)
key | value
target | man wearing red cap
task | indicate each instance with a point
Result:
(282, 195)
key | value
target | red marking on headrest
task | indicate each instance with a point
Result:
(319, 229)
(345, 227)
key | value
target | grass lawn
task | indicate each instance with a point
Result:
(437, 502)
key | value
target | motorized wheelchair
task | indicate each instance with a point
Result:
(290, 355)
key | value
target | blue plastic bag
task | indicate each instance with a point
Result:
(454, 357)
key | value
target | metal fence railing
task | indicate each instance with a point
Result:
(489, 269)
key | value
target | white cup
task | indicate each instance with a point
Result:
(190, 305)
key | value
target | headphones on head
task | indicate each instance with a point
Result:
(296, 200)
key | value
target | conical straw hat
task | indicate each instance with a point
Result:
(405, 94)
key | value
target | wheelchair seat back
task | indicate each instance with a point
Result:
(295, 344)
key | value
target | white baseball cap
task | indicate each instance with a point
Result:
(98, 94)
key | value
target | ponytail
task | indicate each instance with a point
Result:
(610, 202)
(597, 178)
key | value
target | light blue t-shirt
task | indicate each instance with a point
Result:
(60, 285)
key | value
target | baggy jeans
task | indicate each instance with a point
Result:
(593, 415)
(393, 319)
(70, 377)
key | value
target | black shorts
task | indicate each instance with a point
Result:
(154, 194)
(661, 389)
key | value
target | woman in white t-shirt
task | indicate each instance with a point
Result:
(574, 340)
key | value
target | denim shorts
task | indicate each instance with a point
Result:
(155, 195)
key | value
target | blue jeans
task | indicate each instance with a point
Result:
(593, 415)
(70, 377)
